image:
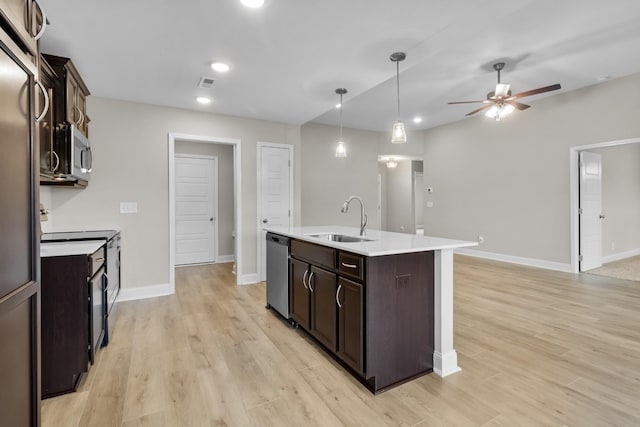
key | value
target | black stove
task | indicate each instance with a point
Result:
(66, 236)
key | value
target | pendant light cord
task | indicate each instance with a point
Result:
(398, 85)
(340, 117)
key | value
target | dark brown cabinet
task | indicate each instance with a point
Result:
(322, 287)
(48, 106)
(349, 298)
(72, 318)
(299, 292)
(19, 250)
(24, 21)
(73, 92)
(374, 314)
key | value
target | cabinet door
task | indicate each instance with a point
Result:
(24, 19)
(322, 285)
(49, 159)
(299, 292)
(72, 112)
(350, 323)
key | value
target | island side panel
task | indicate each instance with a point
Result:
(445, 358)
(399, 317)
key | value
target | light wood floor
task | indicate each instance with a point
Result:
(535, 347)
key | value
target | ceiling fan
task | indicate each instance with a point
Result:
(500, 103)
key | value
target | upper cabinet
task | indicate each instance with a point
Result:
(26, 22)
(74, 93)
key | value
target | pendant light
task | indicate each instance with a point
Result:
(341, 150)
(392, 163)
(398, 134)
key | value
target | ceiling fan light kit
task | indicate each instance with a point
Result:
(398, 133)
(500, 102)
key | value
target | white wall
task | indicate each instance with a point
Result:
(328, 181)
(130, 146)
(400, 208)
(225, 220)
(509, 181)
(620, 198)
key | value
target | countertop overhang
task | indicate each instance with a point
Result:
(81, 247)
(380, 243)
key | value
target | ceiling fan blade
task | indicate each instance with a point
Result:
(484, 107)
(467, 102)
(536, 91)
(520, 106)
(502, 90)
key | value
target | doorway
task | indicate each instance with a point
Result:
(176, 138)
(619, 222)
(196, 184)
(275, 194)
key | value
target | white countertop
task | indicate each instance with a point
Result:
(78, 247)
(381, 243)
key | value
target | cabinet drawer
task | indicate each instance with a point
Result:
(351, 265)
(315, 254)
(96, 260)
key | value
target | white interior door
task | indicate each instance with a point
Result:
(274, 198)
(590, 210)
(196, 196)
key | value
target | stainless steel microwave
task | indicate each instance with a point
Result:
(74, 149)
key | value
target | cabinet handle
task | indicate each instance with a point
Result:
(99, 260)
(310, 279)
(55, 168)
(338, 296)
(46, 102)
(344, 264)
(304, 279)
(43, 27)
(81, 116)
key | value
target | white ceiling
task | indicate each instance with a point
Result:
(288, 57)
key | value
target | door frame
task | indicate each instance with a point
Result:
(237, 199)
(289, 147)
(214, 185)
(574, 179)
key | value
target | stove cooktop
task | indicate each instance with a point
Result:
(79, 235)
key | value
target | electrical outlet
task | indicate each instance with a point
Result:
(480, 239)
(128, 207)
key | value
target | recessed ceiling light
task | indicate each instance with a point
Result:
(603, 78)
(338, 105)
(254, 4)
(203, 100)
(221, 67)
(417, 120)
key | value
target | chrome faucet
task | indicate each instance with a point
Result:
(363, 215)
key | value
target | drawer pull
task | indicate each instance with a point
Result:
(344, 264)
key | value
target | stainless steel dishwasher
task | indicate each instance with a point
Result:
(278, 274)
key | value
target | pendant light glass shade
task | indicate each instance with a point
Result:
(398, 134)
(392, 163)
(341, 149)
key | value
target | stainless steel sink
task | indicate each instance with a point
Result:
(340, 238)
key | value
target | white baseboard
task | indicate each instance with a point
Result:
(531, 262)
(142, 292)
(620, 255)
(226, 258)
(248, 279)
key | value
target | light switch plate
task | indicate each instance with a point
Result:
(128, 207)
(429, 204)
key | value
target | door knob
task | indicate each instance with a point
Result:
(211, 219)
(264, 221)
(601, 216)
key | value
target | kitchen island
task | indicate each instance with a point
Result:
(383, 306)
